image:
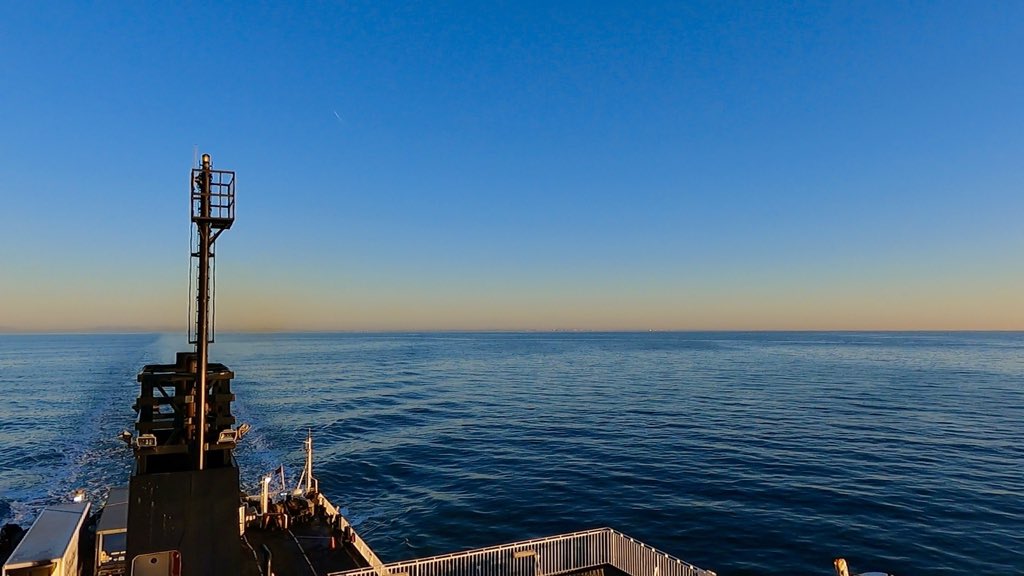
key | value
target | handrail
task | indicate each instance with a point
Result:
(550, 556)
(376, 566)
(635, 558)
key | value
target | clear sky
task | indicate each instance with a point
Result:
(515, 165)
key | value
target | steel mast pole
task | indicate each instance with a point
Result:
(202, 309)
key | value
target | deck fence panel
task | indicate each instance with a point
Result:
(551, 556)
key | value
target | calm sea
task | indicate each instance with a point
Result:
(745, 453)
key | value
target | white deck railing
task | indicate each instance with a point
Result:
(549, 556)
(376, 566)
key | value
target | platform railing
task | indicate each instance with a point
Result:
(636, 558)
(550, 556)
(376, 567)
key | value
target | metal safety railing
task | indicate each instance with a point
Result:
(551, 556)
(636, 558)
(376, 567)
(218, 195)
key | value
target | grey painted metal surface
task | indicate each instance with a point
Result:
(115, 512)
(53, 537)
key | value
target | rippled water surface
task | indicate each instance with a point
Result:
(761, 453)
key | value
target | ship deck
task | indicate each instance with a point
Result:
(299, 551)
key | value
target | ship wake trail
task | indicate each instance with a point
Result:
(100, 459)
(86, 395)
(258, 455)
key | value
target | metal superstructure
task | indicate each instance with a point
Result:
(184, 492)
(185, 408)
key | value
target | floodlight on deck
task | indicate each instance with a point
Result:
(228, 436)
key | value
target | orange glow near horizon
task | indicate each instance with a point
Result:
(949, 306)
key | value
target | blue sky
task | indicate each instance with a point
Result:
(518, 166)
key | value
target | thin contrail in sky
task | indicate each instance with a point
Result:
(336, 115)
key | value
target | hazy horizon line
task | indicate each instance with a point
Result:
(8, 331)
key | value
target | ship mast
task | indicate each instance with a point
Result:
(212, 213)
